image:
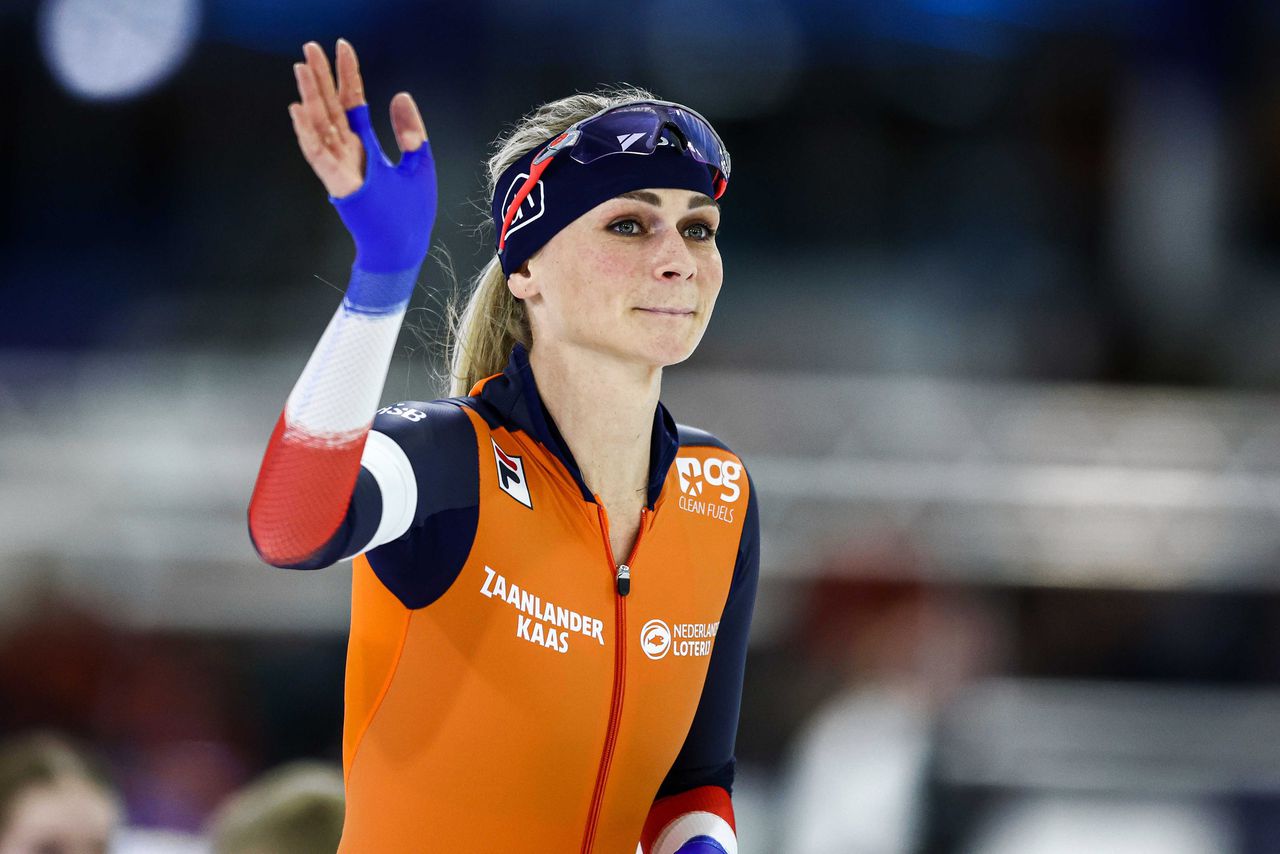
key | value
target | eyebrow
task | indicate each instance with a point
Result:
(700, 200)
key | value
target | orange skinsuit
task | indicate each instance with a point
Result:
(509, 689)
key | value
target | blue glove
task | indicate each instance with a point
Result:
(391, 215)
(701, 845)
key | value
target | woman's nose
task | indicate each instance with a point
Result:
(675, 261)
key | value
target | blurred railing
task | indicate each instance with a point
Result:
(1030, 734)
(125, 479)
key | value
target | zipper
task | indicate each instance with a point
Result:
(622, 586)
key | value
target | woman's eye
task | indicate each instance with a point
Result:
(700, 231)
(626, 226)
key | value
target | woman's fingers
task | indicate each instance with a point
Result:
(323, 74)
(350, 86)
(338, 178)
(406, 121)
(312, 146)
(313, 109)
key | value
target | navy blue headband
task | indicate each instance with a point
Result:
(568, 189)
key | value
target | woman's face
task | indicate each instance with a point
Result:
(635, 277)
(68, 816)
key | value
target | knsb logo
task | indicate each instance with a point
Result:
(530, 209)
(655, 639)
(511, 475)
(403, 411)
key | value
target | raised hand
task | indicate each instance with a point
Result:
(389, 208)
(330, 145)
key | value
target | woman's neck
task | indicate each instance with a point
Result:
(604, 409)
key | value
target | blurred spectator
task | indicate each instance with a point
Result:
(859, 767)
(295, 809)
(160, 709)
(53, 800)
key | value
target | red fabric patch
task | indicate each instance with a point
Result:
(304, 488)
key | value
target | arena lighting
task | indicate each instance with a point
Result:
(116, 49)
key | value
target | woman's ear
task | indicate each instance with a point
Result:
(521, 283)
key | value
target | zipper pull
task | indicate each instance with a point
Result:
(624, 580)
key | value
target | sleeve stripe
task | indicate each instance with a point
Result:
(694, 824)
(676, 819)
(342, 380)
(387, 462)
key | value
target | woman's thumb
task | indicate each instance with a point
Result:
(406, 122)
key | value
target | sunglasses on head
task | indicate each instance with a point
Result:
(635, 128)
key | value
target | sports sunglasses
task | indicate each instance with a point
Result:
(634, 128)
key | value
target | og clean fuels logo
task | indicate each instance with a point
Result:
(695, 474)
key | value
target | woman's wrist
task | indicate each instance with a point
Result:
(380, 293)
(391, 215)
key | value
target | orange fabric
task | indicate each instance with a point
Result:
(473, 725)
(372, 654)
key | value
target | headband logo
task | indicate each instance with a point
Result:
(530, 209)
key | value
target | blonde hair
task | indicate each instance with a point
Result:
(483, 331)
(294, 809)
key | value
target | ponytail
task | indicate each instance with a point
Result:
(482, 333)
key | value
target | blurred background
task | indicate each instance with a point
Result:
(998, 341)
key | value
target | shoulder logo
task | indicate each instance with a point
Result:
(511, 475)
(714, 471)
(530, 209)
(655, 639)
(403, 411)
(694, 475)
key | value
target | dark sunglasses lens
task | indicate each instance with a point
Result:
(706, 145)
(633, 132)
(638, 129)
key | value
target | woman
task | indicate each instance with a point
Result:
(52, 799)
(512, 685)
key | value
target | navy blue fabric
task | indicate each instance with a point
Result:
(358, 526)
(391, 214)
(511, 400)
(421, 565)
(707, 759)
(568, 189)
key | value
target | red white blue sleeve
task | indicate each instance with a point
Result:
(312, 462)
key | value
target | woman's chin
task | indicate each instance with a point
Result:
(665, 350)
